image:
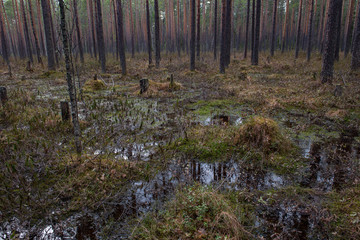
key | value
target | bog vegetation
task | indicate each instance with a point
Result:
(179, 119)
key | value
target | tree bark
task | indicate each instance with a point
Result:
(349, 28)
(223, 37)
(78, 32)
(338, 37)
(215, 28)
(48, 35)
(355, 61)
(148, 31)
(257, 34)
(37, 48)
(330, 42)
(228, 32)
(198, 32)
(298, 30)
(310, 30)
(253, 30)
(26, 32)
(272, 50)
(69, 72)
(192, 37)
(100, 36)
(247, 29)
(120, 30)
(157, 34)
(132, 31)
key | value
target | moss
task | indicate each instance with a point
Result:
(94, 85)
(208, 107)
(197, 212)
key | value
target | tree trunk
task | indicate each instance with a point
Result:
(215, 29)
(4, 46)
(26, 32)
(257, 34)
(148, 31)
(37, 48)
(48, 35)
(223, 37)
(157, 34)
(337, 50)
(228, 32)
(298, 30)
(198, 32)
(132, 31)
(120, 30)
(192, 38)
(78, 32)
(273, 29)
(355, 61)
(40, 25)
(330, 41)
(253, 30)
(92, 26)
(71, 87)
(349, 28)
(100, 36)
(310, 29)
(247, 29)
(178, 28)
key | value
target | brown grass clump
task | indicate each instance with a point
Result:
(262, 134)
(158, 88)
(94, 85)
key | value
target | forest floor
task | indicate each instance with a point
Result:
(261, 152)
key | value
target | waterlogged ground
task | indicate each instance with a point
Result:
(265, 150)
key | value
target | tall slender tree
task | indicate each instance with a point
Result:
(100, 36)
(355, 60)
(330, 41)
(298, 32)
(253, 23)
(192, 37)
(272, 49)
(48, 36)
(349, 28)
(310, 30)
(198, 32)
(247, 28)
(338, 37)
(215, 28)
(70, 82)
(4, 48)
(223, 37)
(26, 32)
(157, 34)
(37, 47)
(148, 31)
(78, 31)
(257, 34)
(120, 30)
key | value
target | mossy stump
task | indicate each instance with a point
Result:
(3, 95)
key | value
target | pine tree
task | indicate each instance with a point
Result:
(247, 28)
(192, 37)
(78, 32)
(120, 31)
(297, 48)
(37, 47)
(257, 34)
(148, 31)
(48, 36)
(310, 29)
(157, 34)
(272, 49)
(330, 42)
(355, 60)
(215, 28)
(100, 36)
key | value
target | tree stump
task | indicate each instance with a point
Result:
(65, 111)
(144, 85)
(338, 91)
(172, 83)
(3, 95)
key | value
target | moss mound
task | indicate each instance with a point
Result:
(264, 135)
(158, 88)
(94, 85)
(51, 74)
(196, 212)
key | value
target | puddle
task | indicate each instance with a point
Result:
(221, 120)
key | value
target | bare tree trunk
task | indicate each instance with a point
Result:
(69, 73)
(257, 34)
(330, 41)
(148, 31)
(310, 29)
(40, 25)
(253, 30)
(247, 29)
(337, 50)
(132, 31)
(92, 26)
(349, 28)
(37, 48)
(48, 35)
(198, 32)
(78, 32)
(178, 28)
(192, 38)
(355, 61)
(157, 34)
(228, 32)
(272, 50)
(100, 36)
(120, 28)
(223, 37)
(4, 46)
(215, 29)
(298, 30)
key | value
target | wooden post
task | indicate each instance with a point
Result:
(65, 111)
(144, 85)
(3, 95)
